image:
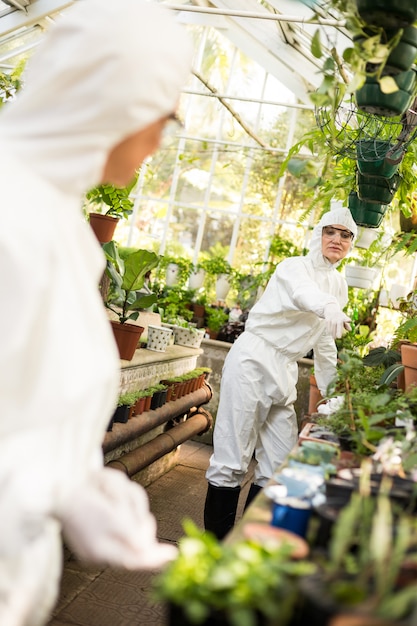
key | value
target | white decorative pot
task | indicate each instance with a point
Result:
(196, 279)
(158, 338)
(222, 287)
(172, 274)
(397, 291)
(358, 276)
(366, 236)
(190, 337)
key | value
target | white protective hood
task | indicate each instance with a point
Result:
(339, 215)
(66, 139)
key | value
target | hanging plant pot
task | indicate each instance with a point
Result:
(103, 226)
(371, 99)
(365, 213)
(196, 279)
(172, 274)
(372, 159)
(402, 57)
(222, 287)
(377, 189)
(388, 14)
(359, 276)
(127, 338)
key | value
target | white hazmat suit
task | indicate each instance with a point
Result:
(301, 303)
(103, 72)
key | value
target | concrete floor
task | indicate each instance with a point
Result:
(110, 597)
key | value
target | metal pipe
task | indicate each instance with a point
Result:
(136, 460)
(277, 17)
(141, 424)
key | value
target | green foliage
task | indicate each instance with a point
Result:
(216, 317)
(241, 580)
(366, 553)
(185, 267)
(11, 82)
(216, 265)
(111, 200)
(127, 277)
(407, 330)
(127, 399)
(173, 305)
(369, 409)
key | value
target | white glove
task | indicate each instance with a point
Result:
(336, 320)
(108, 521)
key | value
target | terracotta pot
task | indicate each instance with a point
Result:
(103, 226)
(127, 338)
(409, 360)
(139, 406)
(315, 395)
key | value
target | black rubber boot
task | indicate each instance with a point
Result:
(220, 509)
(253, 492)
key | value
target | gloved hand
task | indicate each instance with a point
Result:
(336, 320)
(107, 521)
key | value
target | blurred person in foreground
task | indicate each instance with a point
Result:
(300, 310)
(96, 97)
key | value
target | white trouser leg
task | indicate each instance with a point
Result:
(257, 394)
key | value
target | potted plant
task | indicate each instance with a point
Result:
(216, 317)
(127, 277)
(196, 277)
(247, 582)
(110, 204)
(125, 403)
(221, 270)
(360, 574)
(177, 269)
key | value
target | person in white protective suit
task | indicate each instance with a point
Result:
(300, 310)
(97, 94)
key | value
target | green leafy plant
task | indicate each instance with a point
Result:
(369, 408)
(370, 543)
(184, 264)
(127, 277)
(241, 580)
(216, 317)
(407, 330)
(111, 200)
(127, 399)
(216, 265)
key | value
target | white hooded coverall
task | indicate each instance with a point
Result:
(258, 386)
(104, 71)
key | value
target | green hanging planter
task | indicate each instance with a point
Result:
(364, 213)
(390, 14)
(371, 99)
(372, 159)
(403, 56)
(377, 189)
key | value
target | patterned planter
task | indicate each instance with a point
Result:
(158, 338)
(191, 337)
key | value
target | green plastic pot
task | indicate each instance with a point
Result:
(390, 14)
(402, 57)
(376, 189)
(364, 213)
(370, 99)
(371, 158)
